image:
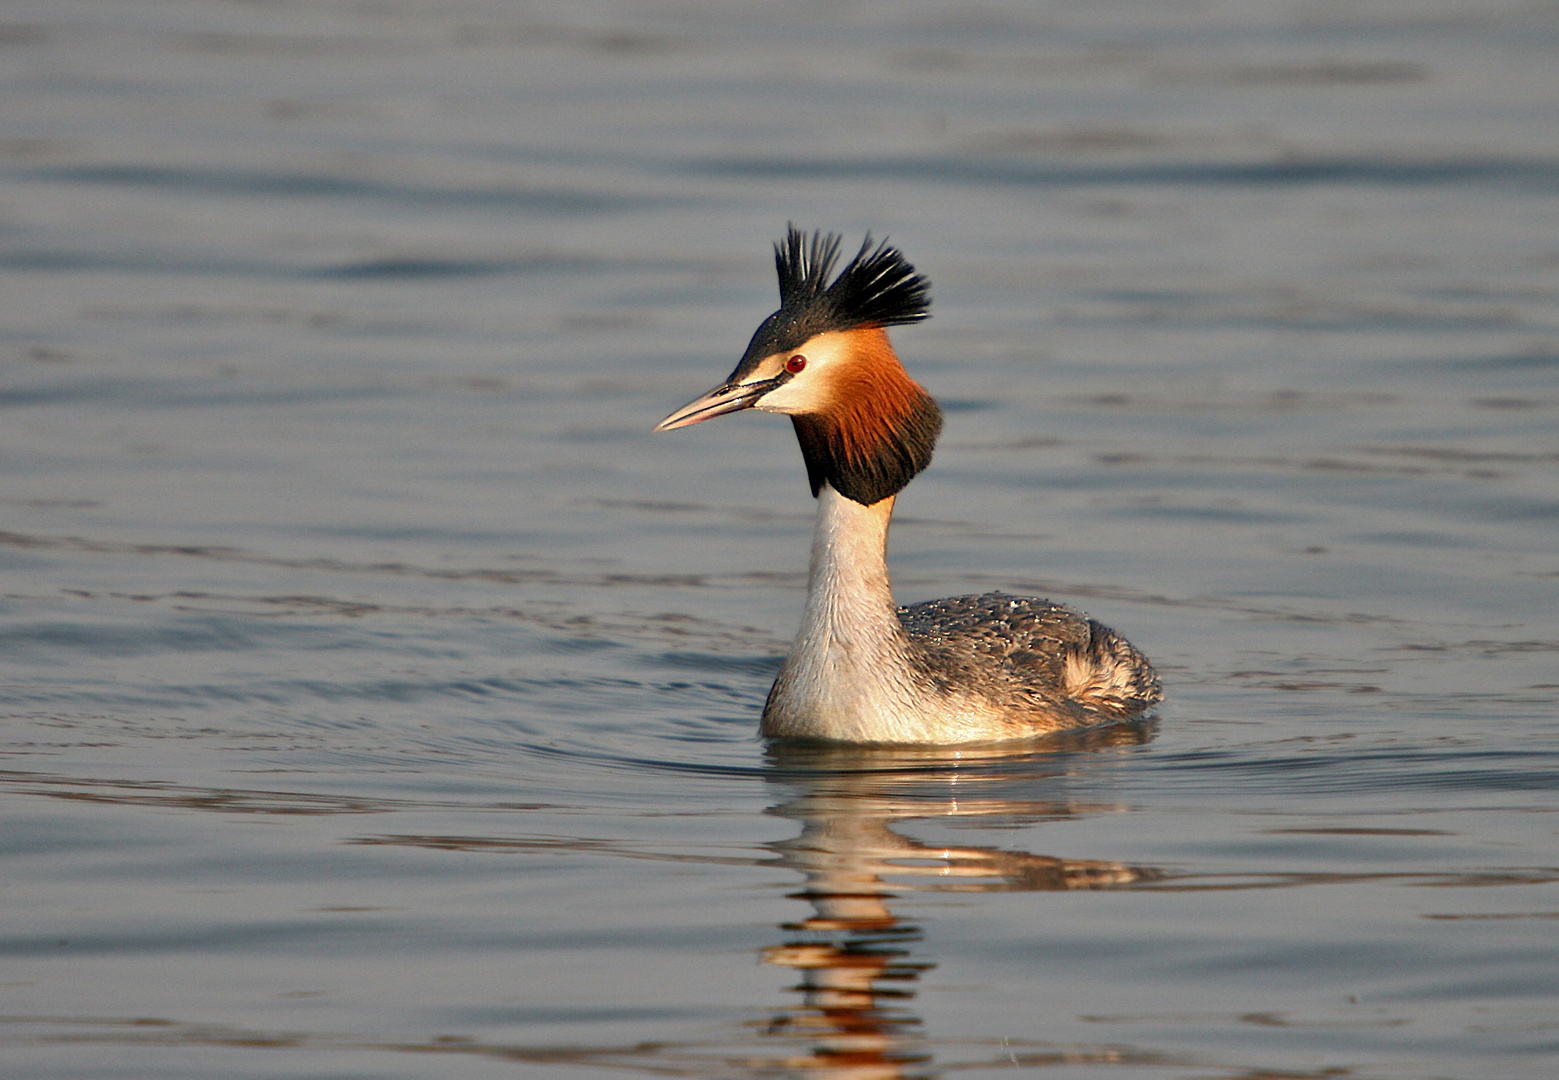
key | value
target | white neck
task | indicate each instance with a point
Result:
(848, 675)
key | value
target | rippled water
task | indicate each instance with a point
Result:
(379, 696)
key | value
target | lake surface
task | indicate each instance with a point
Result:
(379, 697)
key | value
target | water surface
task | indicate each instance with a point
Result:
(380, 696)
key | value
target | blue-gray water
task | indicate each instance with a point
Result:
(379, 696)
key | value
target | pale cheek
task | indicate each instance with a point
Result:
(796, 396)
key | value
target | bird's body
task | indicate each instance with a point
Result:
(862, 669)
(959, 669)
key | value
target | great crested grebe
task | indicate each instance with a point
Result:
(962, 669)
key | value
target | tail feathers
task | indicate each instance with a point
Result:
(1109, 676)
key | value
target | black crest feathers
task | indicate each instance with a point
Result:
(878, 287)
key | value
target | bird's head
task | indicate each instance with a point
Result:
(865, 427)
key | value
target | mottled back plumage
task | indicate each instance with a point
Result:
(1036, 656)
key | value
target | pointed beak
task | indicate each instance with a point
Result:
(726, 398)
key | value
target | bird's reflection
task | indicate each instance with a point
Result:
(856, 958)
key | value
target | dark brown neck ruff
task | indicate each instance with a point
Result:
(880, 433)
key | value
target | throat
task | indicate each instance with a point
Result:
(848, 675)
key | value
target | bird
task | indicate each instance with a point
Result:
(963, 669)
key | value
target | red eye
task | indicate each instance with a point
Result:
(795, 363)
